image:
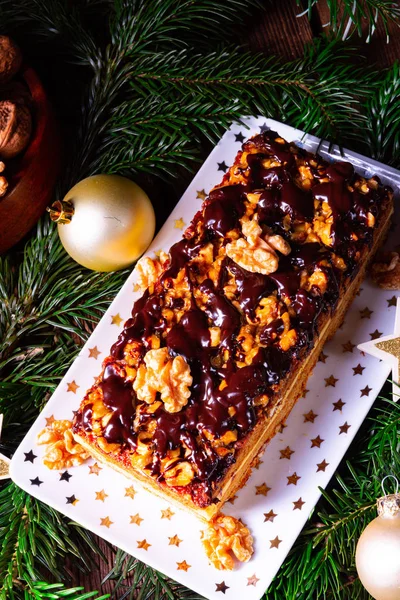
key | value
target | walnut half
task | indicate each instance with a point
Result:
(62, 450)
(255, 253)
(227, 538)
(169, 376)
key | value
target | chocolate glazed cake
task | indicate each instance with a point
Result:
(232, 321)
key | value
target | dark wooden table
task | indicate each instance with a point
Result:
(278, 31)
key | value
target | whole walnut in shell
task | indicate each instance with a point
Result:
(15, 128)
(10, 59)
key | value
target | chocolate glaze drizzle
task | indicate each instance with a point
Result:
(211, 407)
(119, 396)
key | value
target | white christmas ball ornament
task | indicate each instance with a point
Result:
(105, 222)
(378, 551)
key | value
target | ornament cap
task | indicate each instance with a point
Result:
(61, 211)
(389, 506)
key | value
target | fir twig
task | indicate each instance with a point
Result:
(383, 113)
(347, 17)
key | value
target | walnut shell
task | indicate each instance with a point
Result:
(15, 128)
(10, 59)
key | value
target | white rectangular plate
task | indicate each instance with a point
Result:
(283, 490)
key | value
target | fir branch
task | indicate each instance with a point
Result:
(33, 536)
(56, 21)
(347, 17)
(139, 26)
(130, 575)
(383, 114)
(321, 91)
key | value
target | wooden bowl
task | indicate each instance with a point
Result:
(31, 175)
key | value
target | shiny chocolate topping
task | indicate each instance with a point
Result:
(118, 395)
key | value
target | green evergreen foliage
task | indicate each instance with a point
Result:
(361, 17)
(155, 83)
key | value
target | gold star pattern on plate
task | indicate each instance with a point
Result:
(253, 580)
(183, 566)
(221, 587)
(101, 495)
(106, 522)
(179, 223)
(358, 370)
(391, 301)
(72, 387)
(270, 516)
(232, 499)
(322, 466)
(275, 543)
(365, 313)
(281, 428)
(167, 514)
(365, 391)
(293, 479)
(116, 320)
(262, 490)
(305, 393)
(348, 347)
(144, 544)
(298, 505)
(331, 381)
(174, 541)
(201, 194)
(49, 420)
(286, 453)
(344, 428)
(94, 469)
(136, 519)
(322, 357)
(257, 462)
(130, 492)
(316, 442)
(338, 405)
(310, 416)
(94, 352)
(375, 334)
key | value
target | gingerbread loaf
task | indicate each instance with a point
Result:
(231, 322)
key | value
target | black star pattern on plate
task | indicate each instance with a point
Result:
(65, 476)
(36, 481)
(222, 166)
(71, 499)
(239, 137)
(221, 587)
(264, 127)
(29, 456)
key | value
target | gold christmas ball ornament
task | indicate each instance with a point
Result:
(378, 551)
(105, 222)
